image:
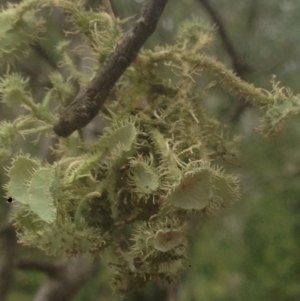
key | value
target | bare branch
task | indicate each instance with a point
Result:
(240, 67)
(89, 101)
(71, 274)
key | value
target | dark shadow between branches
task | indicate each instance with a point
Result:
(8, 256)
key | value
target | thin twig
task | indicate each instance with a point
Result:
(89, 101)
(240, 67)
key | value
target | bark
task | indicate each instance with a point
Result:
(89, 101)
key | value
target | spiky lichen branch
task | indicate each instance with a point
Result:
(89, 101)
(257, 96)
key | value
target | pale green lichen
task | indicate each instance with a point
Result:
(154, 163)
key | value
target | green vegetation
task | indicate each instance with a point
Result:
(161, 159)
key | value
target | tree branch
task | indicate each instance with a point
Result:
(88, 102)
(240, 67)
(71, 274)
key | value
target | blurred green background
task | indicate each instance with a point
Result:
(249, 250)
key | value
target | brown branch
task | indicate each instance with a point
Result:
(69, 279)
(239, 66)
(89, 101)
